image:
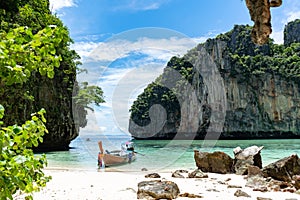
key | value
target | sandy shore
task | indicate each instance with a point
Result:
(109, 185)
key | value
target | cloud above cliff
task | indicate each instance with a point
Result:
(112, 50)
(56, 5)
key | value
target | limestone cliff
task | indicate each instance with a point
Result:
(227, 86)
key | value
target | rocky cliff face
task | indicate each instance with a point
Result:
(291, 32)
(227, 87)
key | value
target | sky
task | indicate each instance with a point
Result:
(124, 44)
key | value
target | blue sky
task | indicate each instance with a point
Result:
(100, 19)
(126, 43)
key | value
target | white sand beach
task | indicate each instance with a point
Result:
(111, 185)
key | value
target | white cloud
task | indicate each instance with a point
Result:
(293, 15)
(289, 11)
(84, 49)
(277, 36)
(112, 50)
(56, 5)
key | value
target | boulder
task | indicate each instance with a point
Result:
(188, 195)
(257, 182)
(253, 171)
(240, 193)
(283, 169)
(197, 174)
(216, 162)
(152, 175)
(177, 175)
(263, 198)
(296, 182)
(247, 157)
(157, 189)
(181, 171)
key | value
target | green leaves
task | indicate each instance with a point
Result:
(1, 112)
(20, 169)
(22, 53)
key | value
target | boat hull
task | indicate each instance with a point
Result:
(116, 158)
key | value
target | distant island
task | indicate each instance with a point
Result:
(227, 87)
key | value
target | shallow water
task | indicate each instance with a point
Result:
(162, 155)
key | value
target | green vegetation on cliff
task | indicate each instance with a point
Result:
(164, 90)
(252, 59)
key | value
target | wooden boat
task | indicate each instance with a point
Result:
(116, 157)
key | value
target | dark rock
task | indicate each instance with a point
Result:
(188, 195)
(181, 171)
(144, 169)
(247, 157)
(197, 174)
(296, 179)
(152, 175)
(240, 193)
(222, 182)
(234, 186)
(291, 190)
(276, 185)
(256, 182)
(263, 198)
(253, 171)
(216, 162)
(261, 189)
(283, 169)
(291, 32)
(177, 175)
(157, 189)
(212, 190)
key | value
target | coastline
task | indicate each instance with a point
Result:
(113, 185)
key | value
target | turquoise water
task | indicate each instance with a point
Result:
(162, 155)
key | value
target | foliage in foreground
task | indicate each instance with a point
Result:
(23, 53)
(20, 170)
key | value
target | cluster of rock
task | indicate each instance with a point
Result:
(159, 189)
(282, 175)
